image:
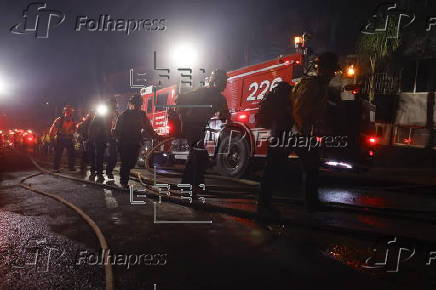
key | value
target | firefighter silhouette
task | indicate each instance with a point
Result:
(62, 130)
(129, 131)
(195, 109)
(310, 99)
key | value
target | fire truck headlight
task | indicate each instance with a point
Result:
(101, 110)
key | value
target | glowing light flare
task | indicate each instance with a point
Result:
(350, 71)
(184, 54)
(242, 117)
(339, 164)
(372, 140)
(101, 110)
(298, 41)
(4, 86)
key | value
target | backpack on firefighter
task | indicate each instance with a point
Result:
(316, 106)
(195, 109)
(309, 99)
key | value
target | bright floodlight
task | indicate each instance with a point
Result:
(184, 54)
(4, 87)
(101, 110)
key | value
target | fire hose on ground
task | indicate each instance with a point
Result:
(97, 231)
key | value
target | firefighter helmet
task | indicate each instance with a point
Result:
(218, 73)
(218, 79)
(136, 100)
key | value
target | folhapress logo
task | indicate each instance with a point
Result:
(389, 19)
(394, 255)
(38, 20)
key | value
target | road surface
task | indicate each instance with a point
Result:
(214, 243)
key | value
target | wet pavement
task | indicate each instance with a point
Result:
(167, 245)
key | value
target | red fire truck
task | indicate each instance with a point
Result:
(155, 104)
(235, 146)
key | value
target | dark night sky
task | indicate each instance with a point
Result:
(70, 66)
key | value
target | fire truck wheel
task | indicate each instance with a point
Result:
(233, 157)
